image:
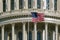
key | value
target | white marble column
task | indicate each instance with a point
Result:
(13, 25)
(58, 5)
(51, 5)
(56, 28)
(25, 2)
(44, 4)
(8, 5)
(46, 30)
(8, 37)
(34, 4)
(3, 32)
(43, 34)
(16, 4)
(24, 32)
(1, 6)
(15, 35)
(35, 29)
(54, 35)
(34, 33)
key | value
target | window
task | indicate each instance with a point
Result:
(29, 3)
(20, 36)
(50, 35)
(55, 4)
(47, 4)
(20, 4)
(38, 3)
(4, 5)
(12, 4)
(10, 35)
(30, 35)
(38, 35)
(5, 35)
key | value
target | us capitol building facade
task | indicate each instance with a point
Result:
(16, 20)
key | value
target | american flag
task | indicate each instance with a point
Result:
(37, 17)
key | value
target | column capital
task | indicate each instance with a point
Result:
(35, 22)
(2, 25)
(46, 23)
(23, 22)
(13, 24)
(57, 24)
(24, 26)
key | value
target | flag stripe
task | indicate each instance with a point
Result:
(37, 17)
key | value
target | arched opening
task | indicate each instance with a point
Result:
(20, 35)
(39, 35)
(29, 36)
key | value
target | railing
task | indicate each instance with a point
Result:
(28, 12)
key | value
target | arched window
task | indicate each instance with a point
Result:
(38, 35)
(20, 36)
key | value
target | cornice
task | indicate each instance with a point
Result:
(29, 19)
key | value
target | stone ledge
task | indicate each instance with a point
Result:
(26, 19)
